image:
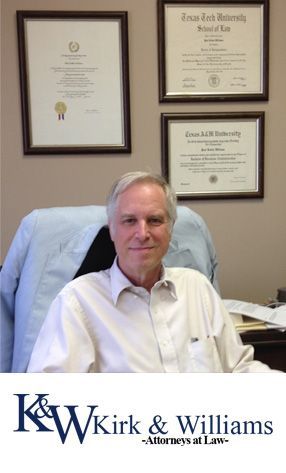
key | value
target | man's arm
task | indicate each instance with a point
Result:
(64, 344)
(235, 356)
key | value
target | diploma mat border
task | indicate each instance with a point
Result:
(262, 94)
(30, 148)
(168, 160)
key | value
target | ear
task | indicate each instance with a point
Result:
(111, 230)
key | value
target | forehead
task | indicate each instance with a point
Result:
(143, 197)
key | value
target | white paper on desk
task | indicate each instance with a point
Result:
(275, 316)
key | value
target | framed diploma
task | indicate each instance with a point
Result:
(213, 50)
(74, 77)
(213, 155)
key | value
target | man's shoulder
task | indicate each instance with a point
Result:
(185, 272)
(178, 273)
(89, 280)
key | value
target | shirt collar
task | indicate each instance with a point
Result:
(166, 282)
(119, 282)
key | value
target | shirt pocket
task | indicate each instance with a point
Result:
(203, 356)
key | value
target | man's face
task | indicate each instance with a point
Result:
(141, 230)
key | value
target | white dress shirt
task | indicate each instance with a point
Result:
(100, 322)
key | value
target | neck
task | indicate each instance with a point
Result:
(143, 279)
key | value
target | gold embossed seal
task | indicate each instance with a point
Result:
(61, 109)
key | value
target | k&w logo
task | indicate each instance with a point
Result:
(49, 418)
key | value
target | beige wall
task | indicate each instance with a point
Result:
(249, 235)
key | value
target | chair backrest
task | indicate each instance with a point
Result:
(51, 247)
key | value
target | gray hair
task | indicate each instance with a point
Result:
(130, 178)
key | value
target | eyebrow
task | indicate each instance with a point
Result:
(127, 215)
(152, 215)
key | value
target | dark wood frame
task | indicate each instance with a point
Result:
(29, 148)
(164, 97)
(269, 346)
(166, 118)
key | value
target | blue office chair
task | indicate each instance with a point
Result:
(52, 246)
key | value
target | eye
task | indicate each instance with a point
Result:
(155, 221)
(129, 221)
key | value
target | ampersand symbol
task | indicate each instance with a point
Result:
(159, 429)
(43, 412)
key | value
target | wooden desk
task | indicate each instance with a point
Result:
(269, 347)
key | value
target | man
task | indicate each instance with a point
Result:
(138, 316)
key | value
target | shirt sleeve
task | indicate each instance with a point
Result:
(64, 344)
(235, 357)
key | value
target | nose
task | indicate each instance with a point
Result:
(142, 230)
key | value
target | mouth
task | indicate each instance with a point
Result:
(142, 248)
